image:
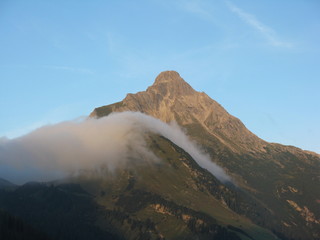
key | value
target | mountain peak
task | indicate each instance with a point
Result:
(168, 76)
(170, 83)
(170, 98)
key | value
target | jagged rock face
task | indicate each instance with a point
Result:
(170, 98)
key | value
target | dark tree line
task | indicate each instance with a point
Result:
(13, 228)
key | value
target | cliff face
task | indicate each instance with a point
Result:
(170, 98)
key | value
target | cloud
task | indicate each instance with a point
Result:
(55, 151)
(268, 33)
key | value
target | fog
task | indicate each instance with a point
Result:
(55, 151)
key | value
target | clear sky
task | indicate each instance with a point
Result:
(259, 59)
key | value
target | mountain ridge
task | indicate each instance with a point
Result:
(170, 98)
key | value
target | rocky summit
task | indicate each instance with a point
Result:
(171, 98)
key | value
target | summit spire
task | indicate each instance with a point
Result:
(170, 82)
(167, 76)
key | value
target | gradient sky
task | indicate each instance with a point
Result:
(259, 59)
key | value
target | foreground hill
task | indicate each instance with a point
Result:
(283, 179)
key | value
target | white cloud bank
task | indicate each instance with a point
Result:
(54, 151)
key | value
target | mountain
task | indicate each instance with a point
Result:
(273, 193)
(171, 98)
(283, 179)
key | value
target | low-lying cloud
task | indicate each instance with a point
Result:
(55, 151)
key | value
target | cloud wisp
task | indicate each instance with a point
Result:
(55, 151)
(268, 33)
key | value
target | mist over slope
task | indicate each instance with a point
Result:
(111, 142)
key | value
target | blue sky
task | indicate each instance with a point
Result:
(259, 59)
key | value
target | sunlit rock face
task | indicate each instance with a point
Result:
(170, 98)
